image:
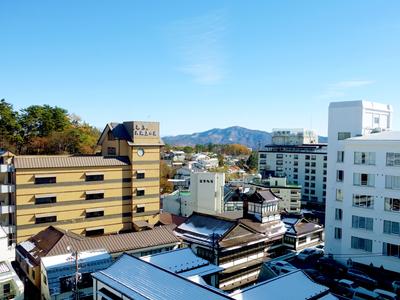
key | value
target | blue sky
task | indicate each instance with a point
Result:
(197, 65)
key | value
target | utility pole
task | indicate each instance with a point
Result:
(77, 277)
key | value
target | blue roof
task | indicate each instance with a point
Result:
(138, 279)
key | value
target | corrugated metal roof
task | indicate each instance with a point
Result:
(138, 279)
(68, 161)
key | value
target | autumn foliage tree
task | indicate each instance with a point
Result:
(43, 129)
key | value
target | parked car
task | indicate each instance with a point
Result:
(331, 266)
(318, 277)
(361, 277)
(281, 267)
(396, 286)
(308, 253)
(345, 287)
(386, 294)
(364, 294)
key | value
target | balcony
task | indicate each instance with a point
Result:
(7, 188)
(6, 169)
(6, 209)
(8, 229)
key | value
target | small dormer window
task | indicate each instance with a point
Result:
(110, 136)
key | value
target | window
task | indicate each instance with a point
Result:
(302, 240)
(308, 156)
(391, 227)
(324, 172)
(295, 170)
(307, 164)
(307, 171)
(392, 204)
(364, 201)
(205, 253)
(295, 176)
(338, 214)
(362, 244)
(127, 179)
(362, 223)
(295, 156)
(339, 195)
(296, 163)
(392, 182)
(391, 250)
(338, 233)
(140, 175)
(313, 164)
(45, 180)
(127, 214)
(47, 219)
(94, 177)
(279, 156)
(312, 178)
(306, 184)
(139, 192)
(340, 156)
(94, 232)
(306, 191)
(343, 135)
(364, 158)
(339, 175)
(279, 162)
(94, 195)
(6, 290)
(140, 209)
(45, 199)
(312, 192)
(313, 171)
(361, 179)
(325, 158)
(94, 214)
(111, 151)
(313, 157)
(307, 177)
(263, 155)
(393, 159)
(110, 136)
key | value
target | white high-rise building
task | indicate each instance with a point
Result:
(363, 192)
(296, 155)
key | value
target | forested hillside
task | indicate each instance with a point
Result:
(43, 129)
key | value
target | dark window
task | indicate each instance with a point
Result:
(308, 156)
(94, 232)
(6, 290)
(140, 209)
(140, 175)
(338, 233)
(40, 220)
(339, 175)
(343, 135)
(127, 214)
(98, 177)
(45, 200)
(127, 197)
(139, 192)
(111, 151)
(45, 180)
(126, 179)
(95, 214)
(110, 136)
(94, 196)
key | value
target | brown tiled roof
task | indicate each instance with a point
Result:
(168, 219)
(303, 227)
(68, 161)
(54, 241)
(262, 195)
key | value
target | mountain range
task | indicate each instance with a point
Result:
(254, 139)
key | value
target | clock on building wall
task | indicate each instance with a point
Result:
(140, 152)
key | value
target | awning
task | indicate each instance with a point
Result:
(94, 209)
(44, 175)
(94, 228)
(45, 196)
(94, 192)
(93, 173)
(45, 215)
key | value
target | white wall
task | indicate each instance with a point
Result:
(207, 191)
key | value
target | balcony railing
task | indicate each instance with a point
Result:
(7, 188)
(6, 168)
(6, 209)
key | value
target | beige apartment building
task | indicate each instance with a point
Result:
(117, 191)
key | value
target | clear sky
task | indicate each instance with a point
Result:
(197, 65)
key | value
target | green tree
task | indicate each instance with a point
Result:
(252, 161)
(9, 126)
